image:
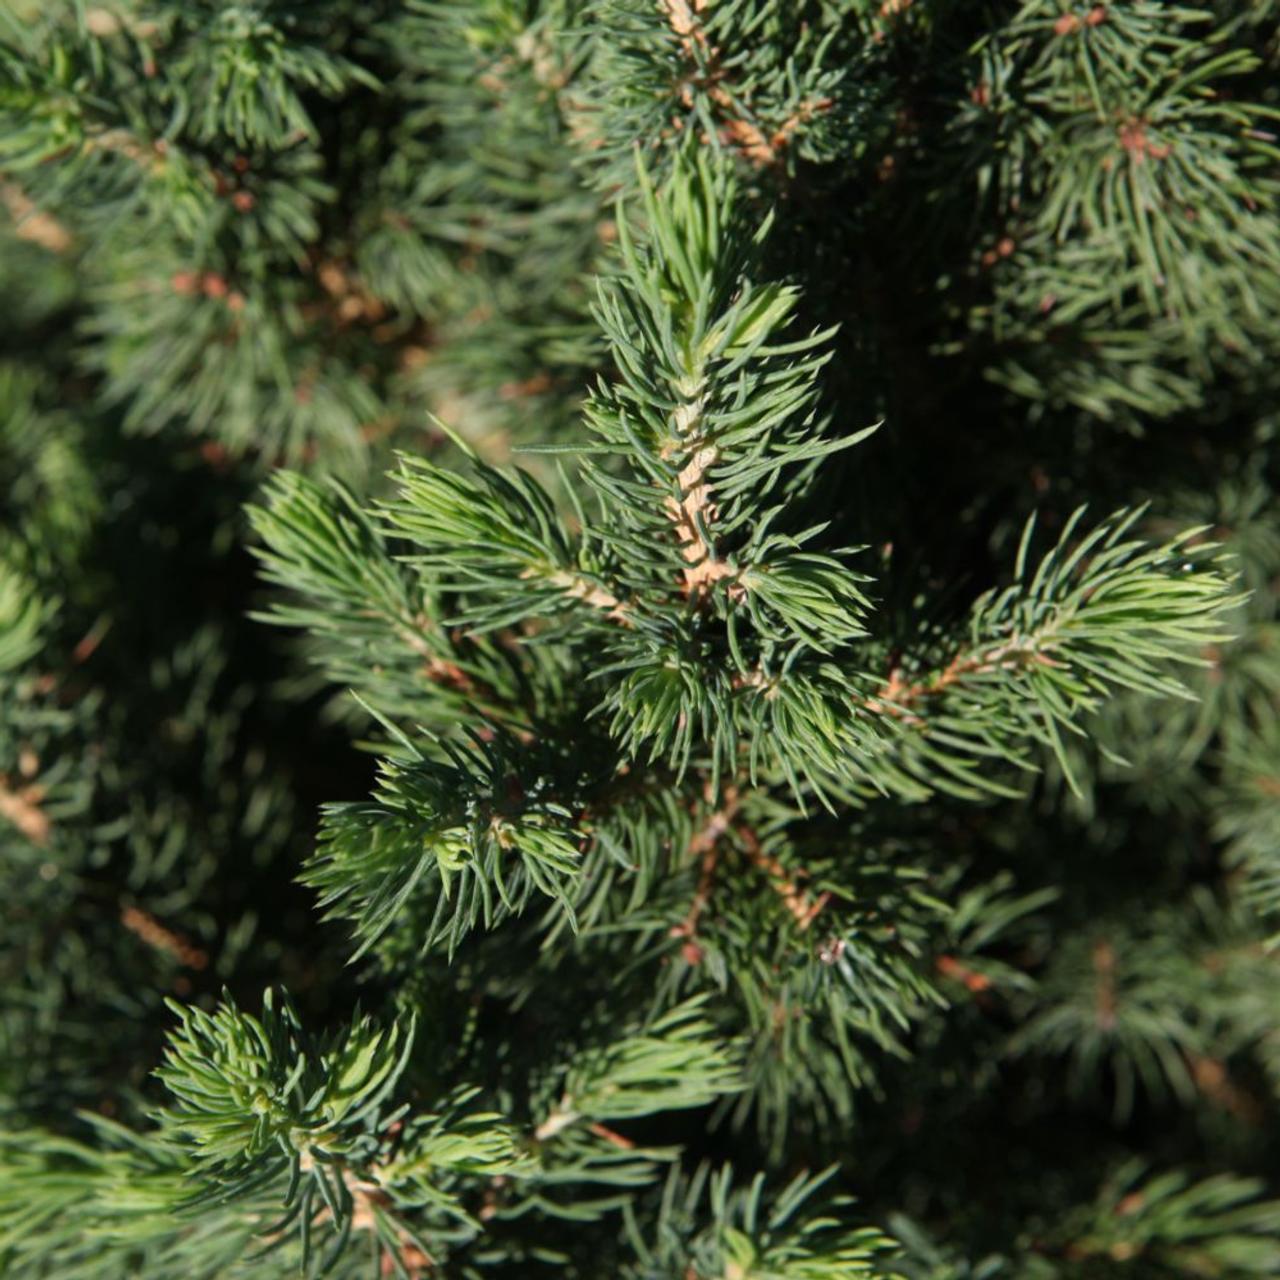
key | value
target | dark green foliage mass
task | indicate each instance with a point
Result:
(638, 638)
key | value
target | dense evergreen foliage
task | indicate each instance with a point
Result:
(638, 638)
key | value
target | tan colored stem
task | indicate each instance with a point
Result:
(32, 223)
(559, 1120)
(744, 135)
(580, 588)
(368, 1198)
(897, 695)
(22, 808)
(803, 910)
(705, 846)
(950, 967)
(145, 926)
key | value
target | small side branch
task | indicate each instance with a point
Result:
(369, 1200)
(950, 967)
(705, 846)
(803, 909)
(751, 141)
(897, 697)
(32, 223)
(592, 593)
(145, 926)
(21, 806)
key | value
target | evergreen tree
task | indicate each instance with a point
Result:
(767, 511)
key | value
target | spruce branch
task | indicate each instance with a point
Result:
(23, 616)
(704, 848)
(251, 1089)
(145, 926)
(32, 223)
(1140, 1221)
(674, 847)
(377, 623)
(714, 411)
(1167, 1220)
(1138, 208)
(685, 74)
(485, 829)
(1100, 612)
(677, 1061)
(708, 1228)
(500, 536)
(318, 542)
(1248, 814)
(245, 77)
(95, 1208)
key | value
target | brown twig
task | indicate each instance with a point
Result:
(898, 695)
(449, 674)
(21, 806)
(704, 846)
(145, 926)
(803, 910)
(950, 967)
(33, 223)
(611, 1137)
(88, 643)
(1104, 965)
(1069, 23)
(351, 299)
(1214, 1081)
(592, 593)
(368, 1199)
(748, 138)
(560, 1119)
(1133, 138)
